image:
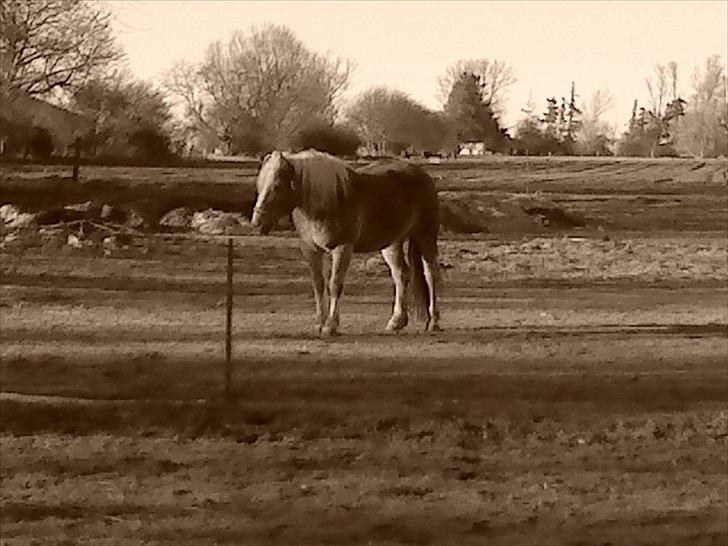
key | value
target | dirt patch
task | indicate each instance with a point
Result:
(470, 212)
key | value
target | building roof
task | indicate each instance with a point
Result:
(63, 123)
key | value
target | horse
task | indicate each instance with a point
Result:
(388, 206)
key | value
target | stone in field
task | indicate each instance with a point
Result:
(8, 213)
(180, 217)
(22, 220)
(213, 222)
(134, 219)
(73, 241)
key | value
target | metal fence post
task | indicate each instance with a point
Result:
(229, 317)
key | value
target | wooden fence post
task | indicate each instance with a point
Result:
(229, 317)
(76, 158)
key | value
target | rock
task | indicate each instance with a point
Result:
(22, 220)
(375, 266)
(8, 213)
(79, 207)
(180, 217)
(200, 218)
(74, 241)
(212, 222)
(134, 219)
(13, 218)
(88, 210)
(110, 213)
(106, 212)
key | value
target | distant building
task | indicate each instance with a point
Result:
(63, 125)
(473, 149)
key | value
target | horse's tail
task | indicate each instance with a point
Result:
(418, 284)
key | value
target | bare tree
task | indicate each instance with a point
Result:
(595, 134)
(263, 82)
(710, 82)
(185, 82)
(600, 102)
(368, 114)
(389, 121)
(704, 131)
(47, 45)
(662, 86)
(495, 77)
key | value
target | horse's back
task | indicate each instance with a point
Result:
(394, 199)
(397, 179)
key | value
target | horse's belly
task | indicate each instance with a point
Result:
(375, 237)
(321, 233)
(367, 232)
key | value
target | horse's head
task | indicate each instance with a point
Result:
(276, 185)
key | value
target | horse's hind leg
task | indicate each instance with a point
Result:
(433, 280)
(394, 256)
(314, 256)
(340, 259)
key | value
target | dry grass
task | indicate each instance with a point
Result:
(577, 395)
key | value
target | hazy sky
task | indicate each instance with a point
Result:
(406, 45)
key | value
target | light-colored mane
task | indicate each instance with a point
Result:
(325, 181)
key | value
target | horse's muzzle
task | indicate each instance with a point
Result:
(263, 227)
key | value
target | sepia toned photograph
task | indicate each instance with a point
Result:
(363, 272)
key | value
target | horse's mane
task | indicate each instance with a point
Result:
(325, 181)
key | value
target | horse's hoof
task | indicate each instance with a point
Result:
(395, 325)
(329, 331)
(433, 328)
(318, 329)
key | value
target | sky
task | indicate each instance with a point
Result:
(406, 45)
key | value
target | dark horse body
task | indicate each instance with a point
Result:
(387, 206)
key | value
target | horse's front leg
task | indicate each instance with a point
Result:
(314, 257)
(394, 256)
(340, 259)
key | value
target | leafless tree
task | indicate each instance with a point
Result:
(369, 115)
(390, 121)
(495, 77)
(710, 82)
(704, 129)
(595, 132)
(601, 101)
(662, 87)
(50, 45)
(265, 80)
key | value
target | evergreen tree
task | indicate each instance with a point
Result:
(471, 116)
(573, 123)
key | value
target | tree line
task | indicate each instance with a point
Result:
(263, 89)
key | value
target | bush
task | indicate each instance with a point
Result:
(333, 139)
(40, 143)
(15, 134)
(149, 143)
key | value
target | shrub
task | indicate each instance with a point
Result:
(40, 143)
(149, 143)
(333, 139)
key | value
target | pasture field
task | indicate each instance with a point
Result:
(633, 194)
(578, 394)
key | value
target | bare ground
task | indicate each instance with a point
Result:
(577, 396)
